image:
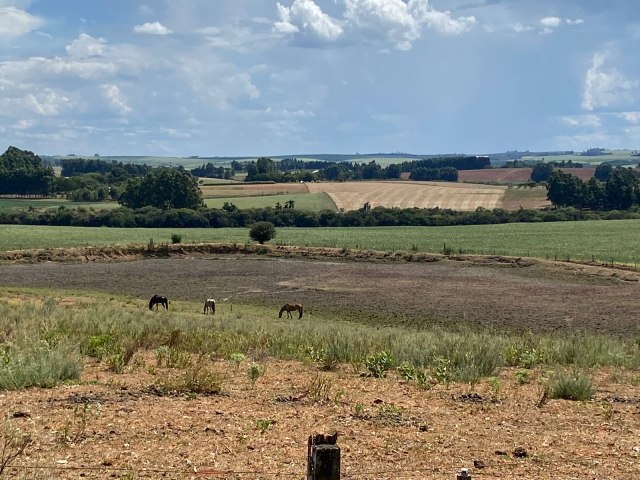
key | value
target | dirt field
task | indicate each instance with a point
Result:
(409, 194)
(251, 189)
(115, 426)
(538, 297)
(515, 175)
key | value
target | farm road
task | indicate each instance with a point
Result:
(540, 298)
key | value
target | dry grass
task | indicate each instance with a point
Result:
(401, 194)
(252, 189)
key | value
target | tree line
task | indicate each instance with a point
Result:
(148, 217)
(24, 173)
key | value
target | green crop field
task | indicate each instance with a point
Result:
(612, 240)
(39, 204)
(303, 201)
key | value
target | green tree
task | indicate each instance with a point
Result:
(603, 171)
(262, 232)
(623, 188)
(541, 172)
(565, 190)
(166, 188)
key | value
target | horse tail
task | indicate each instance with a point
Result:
(300, 310)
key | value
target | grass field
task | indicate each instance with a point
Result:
(612, 240)
(251, 189)
(24, 204)
(534, 198)
(303, 201)
(595, 160)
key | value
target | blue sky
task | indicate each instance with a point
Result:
(258, 77)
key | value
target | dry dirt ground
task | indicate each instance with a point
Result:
(113, 426)
(487, 291)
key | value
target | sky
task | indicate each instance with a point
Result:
(260, 77)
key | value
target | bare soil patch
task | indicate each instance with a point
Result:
(381, 289)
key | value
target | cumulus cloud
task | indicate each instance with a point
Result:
(86, 46)
(605, 88)
(152, 28)
(15, 22)
(394, 21)
(304, 16)
(551, 22)
(577, 21)
(115, 98)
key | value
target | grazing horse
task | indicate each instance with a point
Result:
(290, 308)
(159, 300)
(210, 304)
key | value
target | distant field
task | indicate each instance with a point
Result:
(313, 202)
(514, 175)
(39, 204)
(252, 189)
(625, 155)
(517, 197)
(576, 240)
(409, 194)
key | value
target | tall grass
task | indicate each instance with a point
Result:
(42, 345)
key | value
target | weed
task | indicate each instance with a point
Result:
(523, 377)
(378, 364)
(263, 424)
(443, 370)
(254, 371)
(358, 409)
(495, 384)
(572, 386)
(319, 388)
(544, 393)
(12, 445)
(75, 429)
(198, 379)
(237, 358)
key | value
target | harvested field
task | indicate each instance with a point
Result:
(514, 175)
(487, 292)
(251, 189)
(409, 194)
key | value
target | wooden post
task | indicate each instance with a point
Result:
(323, 457)
(463, 475)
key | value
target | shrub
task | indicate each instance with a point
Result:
(254, 371)
(262, 232)
(378, 364)
(176, 238)
(572, 386)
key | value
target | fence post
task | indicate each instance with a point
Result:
(463, 474)
(323, 457)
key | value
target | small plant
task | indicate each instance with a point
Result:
(116, 362)
(197, 379)
(319, 388)
(151, 246)
(523, 377)
(75, 430)
(254, 371)
(572, 386)
(263, 424)
(407, 371)
(495, 385)
(12, 445)
(358, 409)
(176, 238)
(443, 370)
(237, 358)
(378, 364)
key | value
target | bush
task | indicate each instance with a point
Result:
(572, 386)
(175, 238)
(378, 364)
(262, 232)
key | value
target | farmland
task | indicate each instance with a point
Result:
(186, 389)
(456, 196)
(562, 240)
(514, 175)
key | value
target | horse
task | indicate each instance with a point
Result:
(159, 300)
(210, 304)
(289, 307)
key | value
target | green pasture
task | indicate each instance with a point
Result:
(602, 240)
(591, 160)
(314, 202)
(44, 203)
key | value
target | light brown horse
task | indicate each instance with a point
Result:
(210, 304)
(290, 307)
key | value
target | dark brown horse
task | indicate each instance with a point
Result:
(290, 307)
(159, 300)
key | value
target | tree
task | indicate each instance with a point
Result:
(262, 232)
(166, 188)
(541, 172)
(565, 190)
(623, 188)
(603, 171)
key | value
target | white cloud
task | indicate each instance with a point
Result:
(577, 21)
(116, 100)
(15, 22)
(605, 88)
(519, 28)
(152, 28)
(86, 46)
(631, 117)
(394, 21)
(582, 121)
(46, 102)
(304, 16)
(551, 22)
